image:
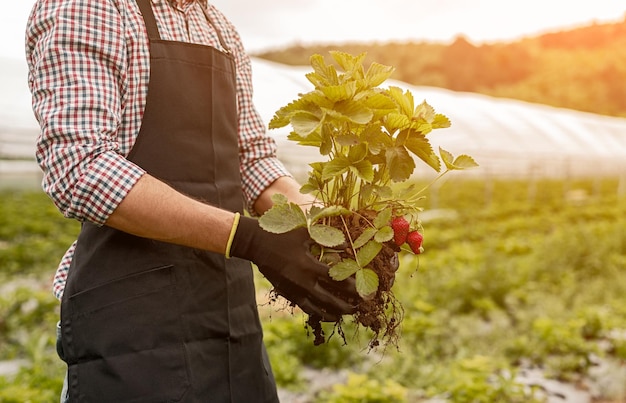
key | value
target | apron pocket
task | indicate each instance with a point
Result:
(125, 340)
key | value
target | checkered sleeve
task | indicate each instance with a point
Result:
(77, 70)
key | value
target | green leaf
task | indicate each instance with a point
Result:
(326, 235)
(282, 116)
(410, 193)
(380, 103)
(317, 168)
(318, 213)
(314, 183)
(279, 198)
(447, 158)
(384, 234)
(326, 145)
(305, 123)
(420, 146)
(368, 252)
(324, 74)
(375, 139)
(424, 111)
(364, 170)
(403, 99)
(464, 162)
(383, 218)
(347, 139)
(357, 152)
(283, 218)
(399, 163)
(347, 61)
(309, 187)
(384, 192)
(423, 128)
(314, 101)
(365, 237)
(366, 282)
(335, 167)
(313, 139)
(355, 112)
(342, 92)
(330, 258)
(441, 122)
(461, 162)
(343, 269)
(367, 190)
(377, 74)
(396, 121)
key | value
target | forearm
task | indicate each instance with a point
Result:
(154, 210)
(287, 186)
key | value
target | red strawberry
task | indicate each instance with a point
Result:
(400, 230)
(415, 239)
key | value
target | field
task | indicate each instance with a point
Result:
(517, 278)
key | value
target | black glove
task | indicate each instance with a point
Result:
(285, 260)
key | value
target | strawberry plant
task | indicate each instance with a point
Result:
(370, 138)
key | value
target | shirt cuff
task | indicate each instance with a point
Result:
(103, 186)
(258, 176)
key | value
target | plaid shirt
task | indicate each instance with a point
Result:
(89, 67)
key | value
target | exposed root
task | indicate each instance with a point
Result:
(382, 313)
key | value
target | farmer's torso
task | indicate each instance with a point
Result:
(149, 321)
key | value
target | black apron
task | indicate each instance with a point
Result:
(147, 321)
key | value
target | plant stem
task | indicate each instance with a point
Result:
(345, 226)
(422, 190)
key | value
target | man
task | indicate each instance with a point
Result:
(150, 139)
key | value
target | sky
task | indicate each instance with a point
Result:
(272, 24)
(275, 23)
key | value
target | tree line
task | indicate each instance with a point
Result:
(582, 68)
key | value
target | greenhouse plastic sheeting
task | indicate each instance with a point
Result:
(505, 136)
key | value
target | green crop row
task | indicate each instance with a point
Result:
(502, 287)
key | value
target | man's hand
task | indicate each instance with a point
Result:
(285, 260)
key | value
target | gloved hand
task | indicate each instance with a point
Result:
(285, 260)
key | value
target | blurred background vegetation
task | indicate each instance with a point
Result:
(581, 69)
(507, 285)
(522, 279)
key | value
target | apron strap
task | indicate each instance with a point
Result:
(219, 34)
(148, 17)
(153, 31)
